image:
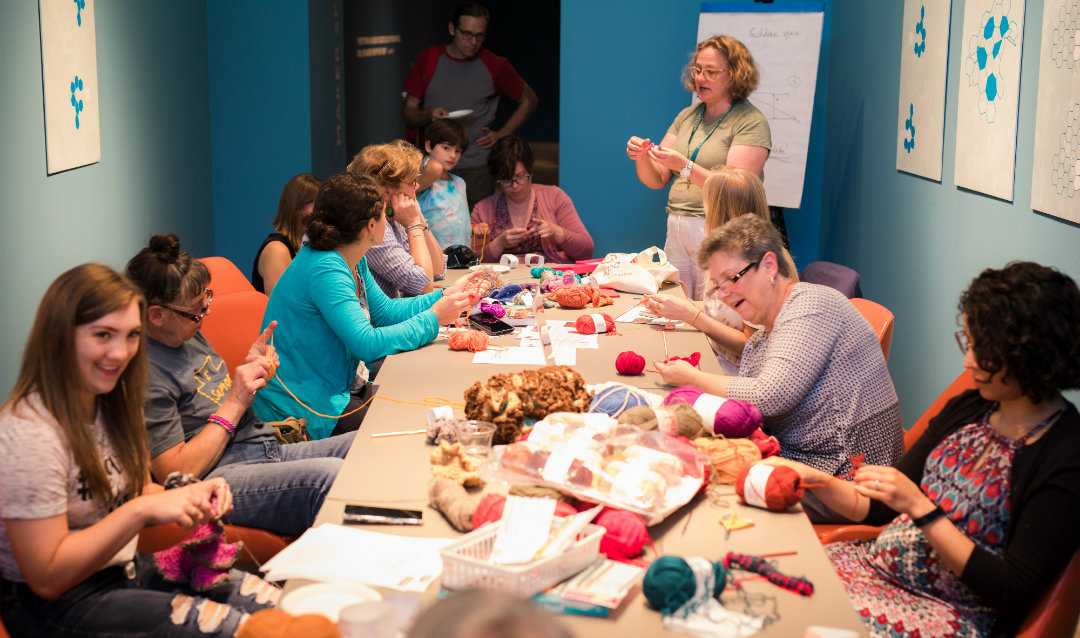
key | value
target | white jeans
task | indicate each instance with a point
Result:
(684, 236)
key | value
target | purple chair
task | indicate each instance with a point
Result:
(833, 275)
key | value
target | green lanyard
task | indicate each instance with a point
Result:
(697, 123)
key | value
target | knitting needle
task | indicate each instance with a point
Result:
(376, 436)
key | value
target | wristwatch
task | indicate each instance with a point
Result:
(686, 170)
(929, 517)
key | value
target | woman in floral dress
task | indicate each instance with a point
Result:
(985, 507)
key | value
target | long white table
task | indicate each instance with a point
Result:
(394, 471)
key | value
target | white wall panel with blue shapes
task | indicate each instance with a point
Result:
(924, 58)
(69, 78)
(986, 104)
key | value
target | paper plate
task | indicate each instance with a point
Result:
(327, 599)
(499, 268)
(459, 113)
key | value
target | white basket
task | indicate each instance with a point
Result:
(466, 565)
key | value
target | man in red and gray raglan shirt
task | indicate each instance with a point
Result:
(460, 76)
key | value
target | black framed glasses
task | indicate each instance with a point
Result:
(963, 341)
(517, 179)
(194, 317)
(471, 35)
(734, 279)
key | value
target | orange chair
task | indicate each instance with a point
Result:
(233, 324)
(260, 545)
(881, 320)
(1055, 612)
(830, 533)
(225, 277)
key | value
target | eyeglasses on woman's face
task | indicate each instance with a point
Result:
(963, 340)
(734, 279)
(209, 296)
(710, 73)
(522, 179)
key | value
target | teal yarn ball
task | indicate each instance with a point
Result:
(668, 584)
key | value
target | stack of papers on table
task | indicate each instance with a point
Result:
(334, 552)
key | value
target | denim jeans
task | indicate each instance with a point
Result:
(119, 602)
(280, 488)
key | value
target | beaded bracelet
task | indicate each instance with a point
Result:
(223, 422)
(422, 226)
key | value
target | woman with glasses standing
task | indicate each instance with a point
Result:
(725, 128)
(524, 217)
(815, 369)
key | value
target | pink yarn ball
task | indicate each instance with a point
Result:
(625, 537)
(737, 419)
(734, 419)
(630, 363)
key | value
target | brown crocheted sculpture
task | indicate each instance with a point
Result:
(508, 399)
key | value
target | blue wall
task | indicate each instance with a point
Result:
(260, 116)
(918, 243)
(620, 76)
(154, 173)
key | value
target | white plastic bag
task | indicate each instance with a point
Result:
(640, 273)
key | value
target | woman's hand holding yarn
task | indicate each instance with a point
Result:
(636, 147)
(670, 307)
(548, 230)
(450, 307)
(248, 378)
(187, 506)
(893, 488)
(669, 158)
(678, 372)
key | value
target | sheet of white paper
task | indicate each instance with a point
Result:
(564, 352)
(335, 552)
(512, 355)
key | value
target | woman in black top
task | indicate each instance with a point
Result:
(278, 249)
(984, 508)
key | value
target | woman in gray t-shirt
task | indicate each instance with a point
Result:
(74, 485)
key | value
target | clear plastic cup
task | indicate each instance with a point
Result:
(475, 437)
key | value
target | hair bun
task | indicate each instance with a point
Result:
(165, 247)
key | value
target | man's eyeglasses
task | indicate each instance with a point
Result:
(471, 35)
(709, 72)
(963, 341)
(517, 179)
(734, 279)
(194, 317)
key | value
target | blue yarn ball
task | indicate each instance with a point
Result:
(668, 584)
(616, 399)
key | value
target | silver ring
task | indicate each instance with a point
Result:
(877, 484)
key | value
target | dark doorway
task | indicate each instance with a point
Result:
(383, 38)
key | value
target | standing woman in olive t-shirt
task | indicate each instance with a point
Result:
(725, 128)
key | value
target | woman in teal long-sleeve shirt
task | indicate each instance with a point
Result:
(330, 320)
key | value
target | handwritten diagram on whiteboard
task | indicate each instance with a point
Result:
(785, 44)
(988, 94)
(924, 57)
(1055, 174)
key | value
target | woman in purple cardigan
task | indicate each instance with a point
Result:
(524, 217)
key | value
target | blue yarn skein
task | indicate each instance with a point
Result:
(506, 293)
(616, 399)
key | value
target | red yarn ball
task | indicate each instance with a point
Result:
(625, 537)
(490, 509)
(768, 445)
(774, 487)
(586, 324)
(630, 363)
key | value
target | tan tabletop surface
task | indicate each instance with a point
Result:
(393, 471)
